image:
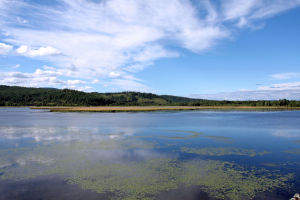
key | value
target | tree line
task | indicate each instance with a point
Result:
(23, 96)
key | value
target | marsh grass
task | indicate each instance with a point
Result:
(158, 108)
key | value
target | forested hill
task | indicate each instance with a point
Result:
(22, 96)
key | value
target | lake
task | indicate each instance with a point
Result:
(149, 155)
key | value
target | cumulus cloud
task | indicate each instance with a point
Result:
(114, 39)
(42, 51)
(5, 48)
(114, 75)
(47, 77)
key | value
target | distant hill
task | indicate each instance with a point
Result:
(24, 96)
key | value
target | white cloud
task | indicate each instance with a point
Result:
(114, 75)
(42, 51)
(116, 38)
(282, 86)
(270, 8)
(278, 91)
(23, 21)
(16, 66)
(288, 75)
(243, 12)
(95, 81)
(75, 82)
(22, 49)
(153, 52)
(288, 90)
(5, 48)
(291, 94)
(235, 9)
(47, 77)
(106, 39)
(130, 85)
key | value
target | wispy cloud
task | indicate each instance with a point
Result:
(283, 76)
(245, 12)
(89, 40)
(281, 86)
(291, 94)
(290, 90)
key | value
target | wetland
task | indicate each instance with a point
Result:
(149, 155)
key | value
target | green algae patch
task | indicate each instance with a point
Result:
(135, 169)
(148, 179)
(225, 180)
(80, 164)
(223, 151)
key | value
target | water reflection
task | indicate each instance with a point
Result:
(65, 134)
(149, 156)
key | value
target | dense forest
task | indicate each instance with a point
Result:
(22, 96)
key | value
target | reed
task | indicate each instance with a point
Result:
(159, 108)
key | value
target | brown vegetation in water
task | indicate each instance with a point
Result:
(158, 108)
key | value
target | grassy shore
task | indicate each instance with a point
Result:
(158, 108)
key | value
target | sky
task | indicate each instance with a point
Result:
(212, 49)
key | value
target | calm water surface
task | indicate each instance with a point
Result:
(154, 155)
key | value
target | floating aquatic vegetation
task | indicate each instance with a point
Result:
(298, 141)
(223, 151)
(283, 166)
(139, 180)
(195, 134)
(191, 135)
(293, 151)
(181, 135)
(115, 166)
(145, 178)
(219, 138)
(271, 164)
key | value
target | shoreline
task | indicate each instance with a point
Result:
(158, 108)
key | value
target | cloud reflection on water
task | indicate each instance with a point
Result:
(51, 134)
(286, 133)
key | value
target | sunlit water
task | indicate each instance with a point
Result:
(150, 155)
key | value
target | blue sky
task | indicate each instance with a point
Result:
(197, 48)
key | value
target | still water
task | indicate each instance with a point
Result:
(149, 155)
